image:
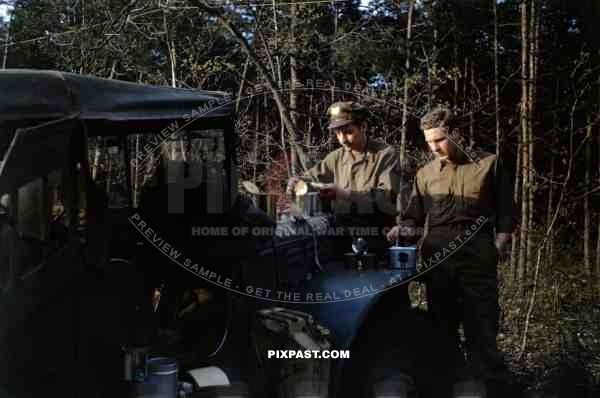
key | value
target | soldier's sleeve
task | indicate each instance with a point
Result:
(322, 171)
(413, 210)
(506, 214)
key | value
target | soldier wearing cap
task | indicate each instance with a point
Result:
(468, 202)
(362, 176)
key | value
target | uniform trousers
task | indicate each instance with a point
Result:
(462, 286)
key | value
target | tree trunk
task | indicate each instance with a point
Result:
(108, 172)
(515, 242)
(411, 7)
(533, 44)
(96, 163)
(597, 265)
(549, 255)
(295, 168)
(429, 84)
(472, 111)
(550, 246)
(465, 79)
(82, 68)
(265, 123)
(171, 50)
(309, 119)
(587, 225)
(335, 17)
(523, 249)
(456, 85)
(242, 82)
(279, 78)
(173, 65)
(6, 43)
(256, 138)
(455, 73)
(113, 70)
(496, 84)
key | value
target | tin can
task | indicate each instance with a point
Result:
(403, 258)
(306, 197)
(312, 204)
(308, 204)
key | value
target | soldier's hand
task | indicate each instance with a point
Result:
(393, 234)
(500, 253)
(405, 233)
(502, 239)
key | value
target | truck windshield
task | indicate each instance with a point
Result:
(202, 150)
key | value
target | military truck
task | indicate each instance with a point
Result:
(130, 239)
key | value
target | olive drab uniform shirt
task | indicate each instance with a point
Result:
(473, 193)
(372, 176)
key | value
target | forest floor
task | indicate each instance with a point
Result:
(561, 354)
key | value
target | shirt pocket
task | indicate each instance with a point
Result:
(473, 191)
(364, 178)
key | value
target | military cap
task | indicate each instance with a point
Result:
(345, 112)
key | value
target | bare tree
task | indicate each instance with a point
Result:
(294, 78)
(524, 153)
(274, 87)
(597, 265)
(515, 243)
(171, 50)
(531, 101)
(587, 224)
(496, 83)
(550, 246)
(6, 43)
(411, 9)
(472, 108)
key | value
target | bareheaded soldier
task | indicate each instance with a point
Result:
(468, 200)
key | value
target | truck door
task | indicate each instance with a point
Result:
(38, 308)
